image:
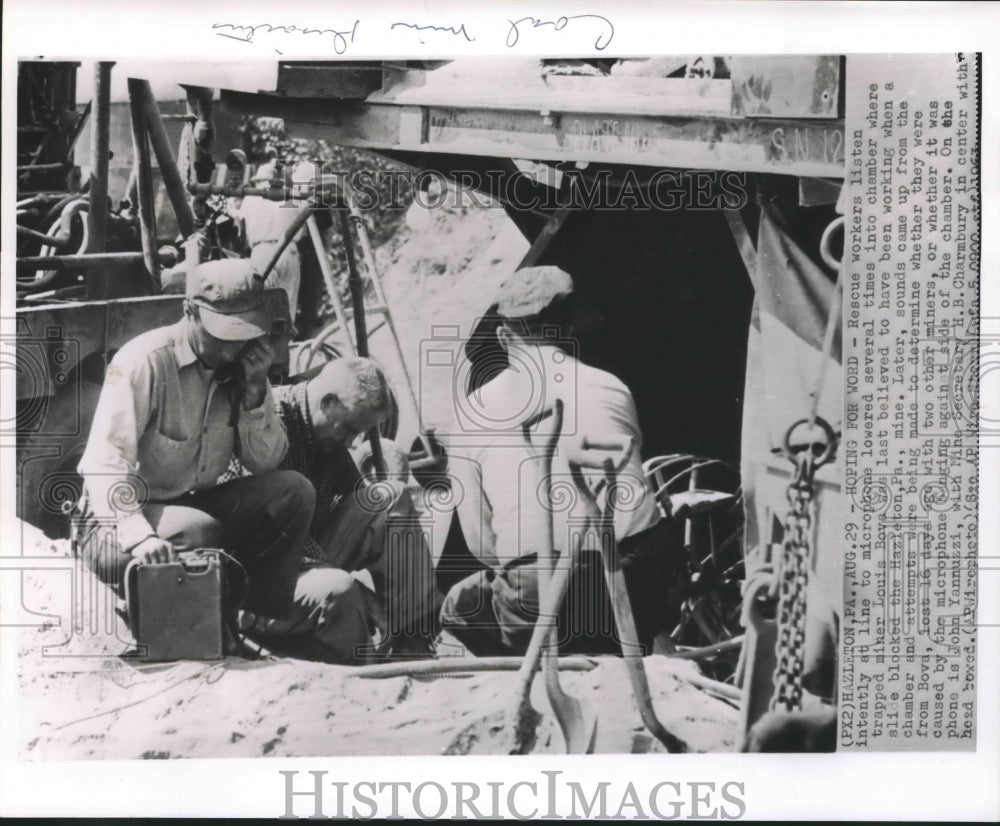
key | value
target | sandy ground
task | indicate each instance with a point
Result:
(80, 699)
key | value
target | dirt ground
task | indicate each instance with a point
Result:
(81, 700)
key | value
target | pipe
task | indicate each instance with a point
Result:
(168, 165)
(59, 206)
(724, 690)
(300, 218)
(360, 324)
(369, 256)
(42, 167)
(457, 665)
(355, 284)
(239, 191)
(708, 650)
(202, 136)
(58, 237)
(49, 240)
(64, 263)
(100, 144)
(62, 228)
(331, 285)
(40, 197)
(144, 178)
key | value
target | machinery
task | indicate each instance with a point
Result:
(648, 180)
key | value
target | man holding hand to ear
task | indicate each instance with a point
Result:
(177, 403)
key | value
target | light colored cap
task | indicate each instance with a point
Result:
(529, 291)
(230, 295)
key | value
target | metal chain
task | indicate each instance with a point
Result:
(794, 577)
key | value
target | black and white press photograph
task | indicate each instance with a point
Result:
(491, 404)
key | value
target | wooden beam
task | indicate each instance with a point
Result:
(144, 178)
(744, 243)
(544, 238)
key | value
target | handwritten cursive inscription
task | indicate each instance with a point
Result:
(246, 34)
(602, 42)
(431, 27)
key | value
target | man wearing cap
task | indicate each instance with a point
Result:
(492, 611)
(177, 402)
(265, 223)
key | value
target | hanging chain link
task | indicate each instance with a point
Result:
(795, 558)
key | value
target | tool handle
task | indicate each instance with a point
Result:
(602, 454)
(628, 635)
(551, 600)
(552, 437)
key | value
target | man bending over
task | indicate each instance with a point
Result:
(358, 527)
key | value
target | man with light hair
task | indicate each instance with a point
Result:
(367, 567)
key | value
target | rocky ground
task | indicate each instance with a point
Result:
(81, 699)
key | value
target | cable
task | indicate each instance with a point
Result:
(243, 572)
(166, 688)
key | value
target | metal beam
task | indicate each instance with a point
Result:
(559, 94)
(788, 147)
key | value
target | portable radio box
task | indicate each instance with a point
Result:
(175, 608)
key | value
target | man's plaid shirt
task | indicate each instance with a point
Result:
(333, 475)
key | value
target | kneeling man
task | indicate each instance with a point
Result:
(177, 403)
(369, 530)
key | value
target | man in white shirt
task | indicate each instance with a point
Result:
(492, 611)
(265, 224)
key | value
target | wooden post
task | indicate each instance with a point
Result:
(97, 217)
(144, 180)
(171, 175)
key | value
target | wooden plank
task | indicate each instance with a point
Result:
(786, 86)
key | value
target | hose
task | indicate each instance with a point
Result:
(62, 228)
